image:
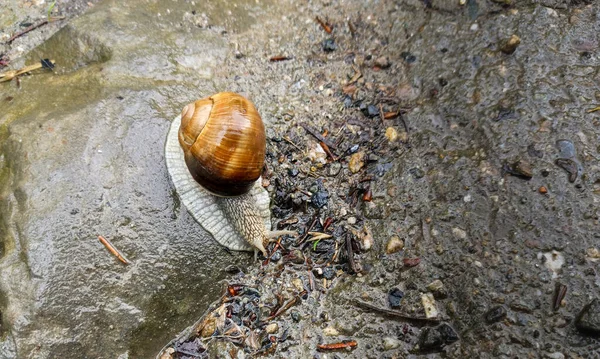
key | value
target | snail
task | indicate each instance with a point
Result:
(215, 153)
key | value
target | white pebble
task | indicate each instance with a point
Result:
(330, 332)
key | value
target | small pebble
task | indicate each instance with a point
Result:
(390, 343)
(543, 190)
(566, 149)
(588, 320)
(429, 305)
(592, 253)
(329, 45)
(319, 199)
(395, 296)
(366, 238)
(411, 262)
(351, 220)
(408, 57)
(296, 317)
(430, 339)
(329, 273)
(459, 233)
(297, 283)
(293, 172)
(510, 45)
(495, 314)
(276, 257)
(437, 289)
(417, 172)
(372, 111)
(395, 244)
(356, 162)
(330, 332)
(209, 328)
(554, 261)
(295, 257)
(333, 169)
(382, 62)
(391, 134)
(522, 169)
(272, 328)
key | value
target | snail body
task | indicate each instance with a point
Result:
(215, 154)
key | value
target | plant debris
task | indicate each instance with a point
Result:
(14, 74)
(112, 249)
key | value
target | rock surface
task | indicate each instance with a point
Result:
(588, 320)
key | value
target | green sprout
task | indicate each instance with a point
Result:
(50, 8)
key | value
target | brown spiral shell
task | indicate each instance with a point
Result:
(223, 140)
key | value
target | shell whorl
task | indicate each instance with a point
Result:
(223, 140)
(214, 213)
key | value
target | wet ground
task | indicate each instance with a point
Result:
(463, 179)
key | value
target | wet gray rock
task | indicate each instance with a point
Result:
(390, 343)
(438, 289)
(509, 45)
(566, 149)
(495, 314)
(430, 340)
(588, 320)
(382, 62)
(328, 45)
(395, 296)
(434, 339)
(522, 306)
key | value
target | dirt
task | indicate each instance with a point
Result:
(474, 186)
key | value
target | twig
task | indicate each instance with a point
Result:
(32, 27)
(318, 136)
(336, 253)
(325, 27)
(393, 313)
(311, 282)
(279, 58)
(346, 344)
(391, 115)
(356, 76)
(303, 238)
(277, 245)
(350, 254)
(317, 236)
(9, 75)
(288, 140)
(328, 151)
(559, 295)
(351, 28)
(594, 109)
(425, 231)
(287, 306)
(112, 249)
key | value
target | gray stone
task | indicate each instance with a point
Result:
(390, 343)
(588, 320)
